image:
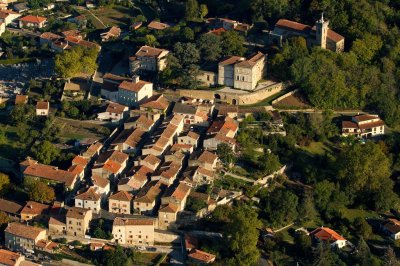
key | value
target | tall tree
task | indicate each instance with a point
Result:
(45, 152)
(192, 10)
(39, 191)
(226, 154)
(4, 182)
(390, 259)
(210, 47)
(232, 43)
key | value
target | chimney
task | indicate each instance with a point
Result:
(135, 79)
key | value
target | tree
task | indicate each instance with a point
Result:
(210, 47)
(322, 194)
(45, 152)
(279, 207)
(362, 227)
(3, 219)
(186, 53)
(307, 210)
(232, 43)
(4, 182)
(115, 257)
(363, 253)
(22, 114)
(203, 11)
(72, 62)
(303, 245)
(390, 258)
(192, 10)
(151, 40)
(226, 154)
(187, 34)
(269, 163)
(242, 235)
(39, 191)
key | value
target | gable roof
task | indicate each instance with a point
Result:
(181, 108)
(207, 157)
(51, 173)
(10, 206)
(21, 99)
(24, 231)
(99, 181)
(156, 25)
(36, 208)
(133, 86)
(42, 105)
(116, 108)
(149, 193)
(158, 102)
(170, 208)
(326, 234)
(9, 258)
(33, 19)
(89, 194)
(77, 213)
(202, 256)
(118, 221)
(121, 196)
(148, 51)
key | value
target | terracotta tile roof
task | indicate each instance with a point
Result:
(116, 156)
(148, 51)
(57, 221)
(9, 206)
(371, 125)
(363, 118)
(326, 234)
(292, 25)
(36, 208)
(152, 160)
(242, 27)
(133, 86)
(149, 193)
(230, 60)
(204, 171)
(217, 31)
(118, 221)
(155, 25)
(181, 191)
(114, 78)
(72, 33)
(158, 102)
(116, 108)
(114, 31)
(88, 44)
(89, 194)
(144, 170)
(76, 169)
(51, 173)
(208, 157)
(121, 196)
(76, 213)
(144, 122)
(191, 242)
(24, 231)
(137, 181)
(9, 258)
(180, 147)
(193, 135)
(33, 19)
(349, 124)
(112, 166)
(392, 226)
(100, 181)
(49, 36)
(335, 37)
(21, 99)
(79, 160)
(202, 256)
(169, 208)
(42, 105)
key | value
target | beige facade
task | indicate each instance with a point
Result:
(148, 59)
(167, 216)
(120, 202)
(21, 237)
(135, 232)
(363, 126)
(77, 221)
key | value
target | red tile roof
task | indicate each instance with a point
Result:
(158, 102)
(292, 25)
(90, 194)
(148, 51)
(9, 206)
(24, 231)
(208, 157)
(121, 196)
(100, 181)
(42, 105)
(36, 208)
(21, 99)
(9, 258)
(51, 173)
(133, 221)
(326, 234)
(79, 160)
(33, 19)
(202, 256)
(133, 86)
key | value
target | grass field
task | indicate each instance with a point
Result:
(11, 147)
(316, 148)
(116, 15)
(78, 130)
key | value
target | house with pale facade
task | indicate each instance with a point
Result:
(8, 16)
(129, 140)
(148, 197)
(77, 221)
(148, 58)
(222, 130)
(42, 108)
(120, 202)
(34, 211)
(101, 185)
(23, 238)
(110, 164)
(391, 227)
(190, 138)
(363, 126)
(207, 160)
(92, 151)
(114, 112)
(30, 21)
(133, 231)
(89, 199)
(109, 88)
(9, 258)
(132, 93)
(325, 234)
(156, 103)
(191, 114)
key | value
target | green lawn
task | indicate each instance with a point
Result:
(352, 214)
(11, 147)
(316, 148)
(75, 129)
(15, 61)
(115, 15)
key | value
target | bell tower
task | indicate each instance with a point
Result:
(322, 27)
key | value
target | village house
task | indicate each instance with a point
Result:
(148, 58)
(21, 7)
(391, 227)
(167, 173)
(189, 138)
(112, 33)
(109, 88)
(92, 151)
(48, 173)
(197, 175)
(110, 164)
(102, 186)
(32, 22)
(326, 234)
(120, 202)
(207, 159)
(167, 216)
(320, 35)
(114, 112)
(129, 140)
(77, 221)
(201, 257)
(137, 178)
(9, 258)
(228, 24)
(133, 231)
(23, 238)
(12, 209)
(34, 211)
(89, 199)
(140, 121)
(57, 226)
(48, 38)
(177, 150)
(191, 114)
(8, 16)
(132, 93)
(221, 131)
(148, 198)
(42, 108)
(363, 126)
(150, 161)
(80, 21)
(156, 103)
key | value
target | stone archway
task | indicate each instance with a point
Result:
(217, 96)
(234, 102)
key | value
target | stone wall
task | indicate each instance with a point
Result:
(161, 236)
(231, 97)
(284, 96)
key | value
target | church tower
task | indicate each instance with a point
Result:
(321, 31)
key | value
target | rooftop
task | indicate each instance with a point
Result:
(24, 231)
